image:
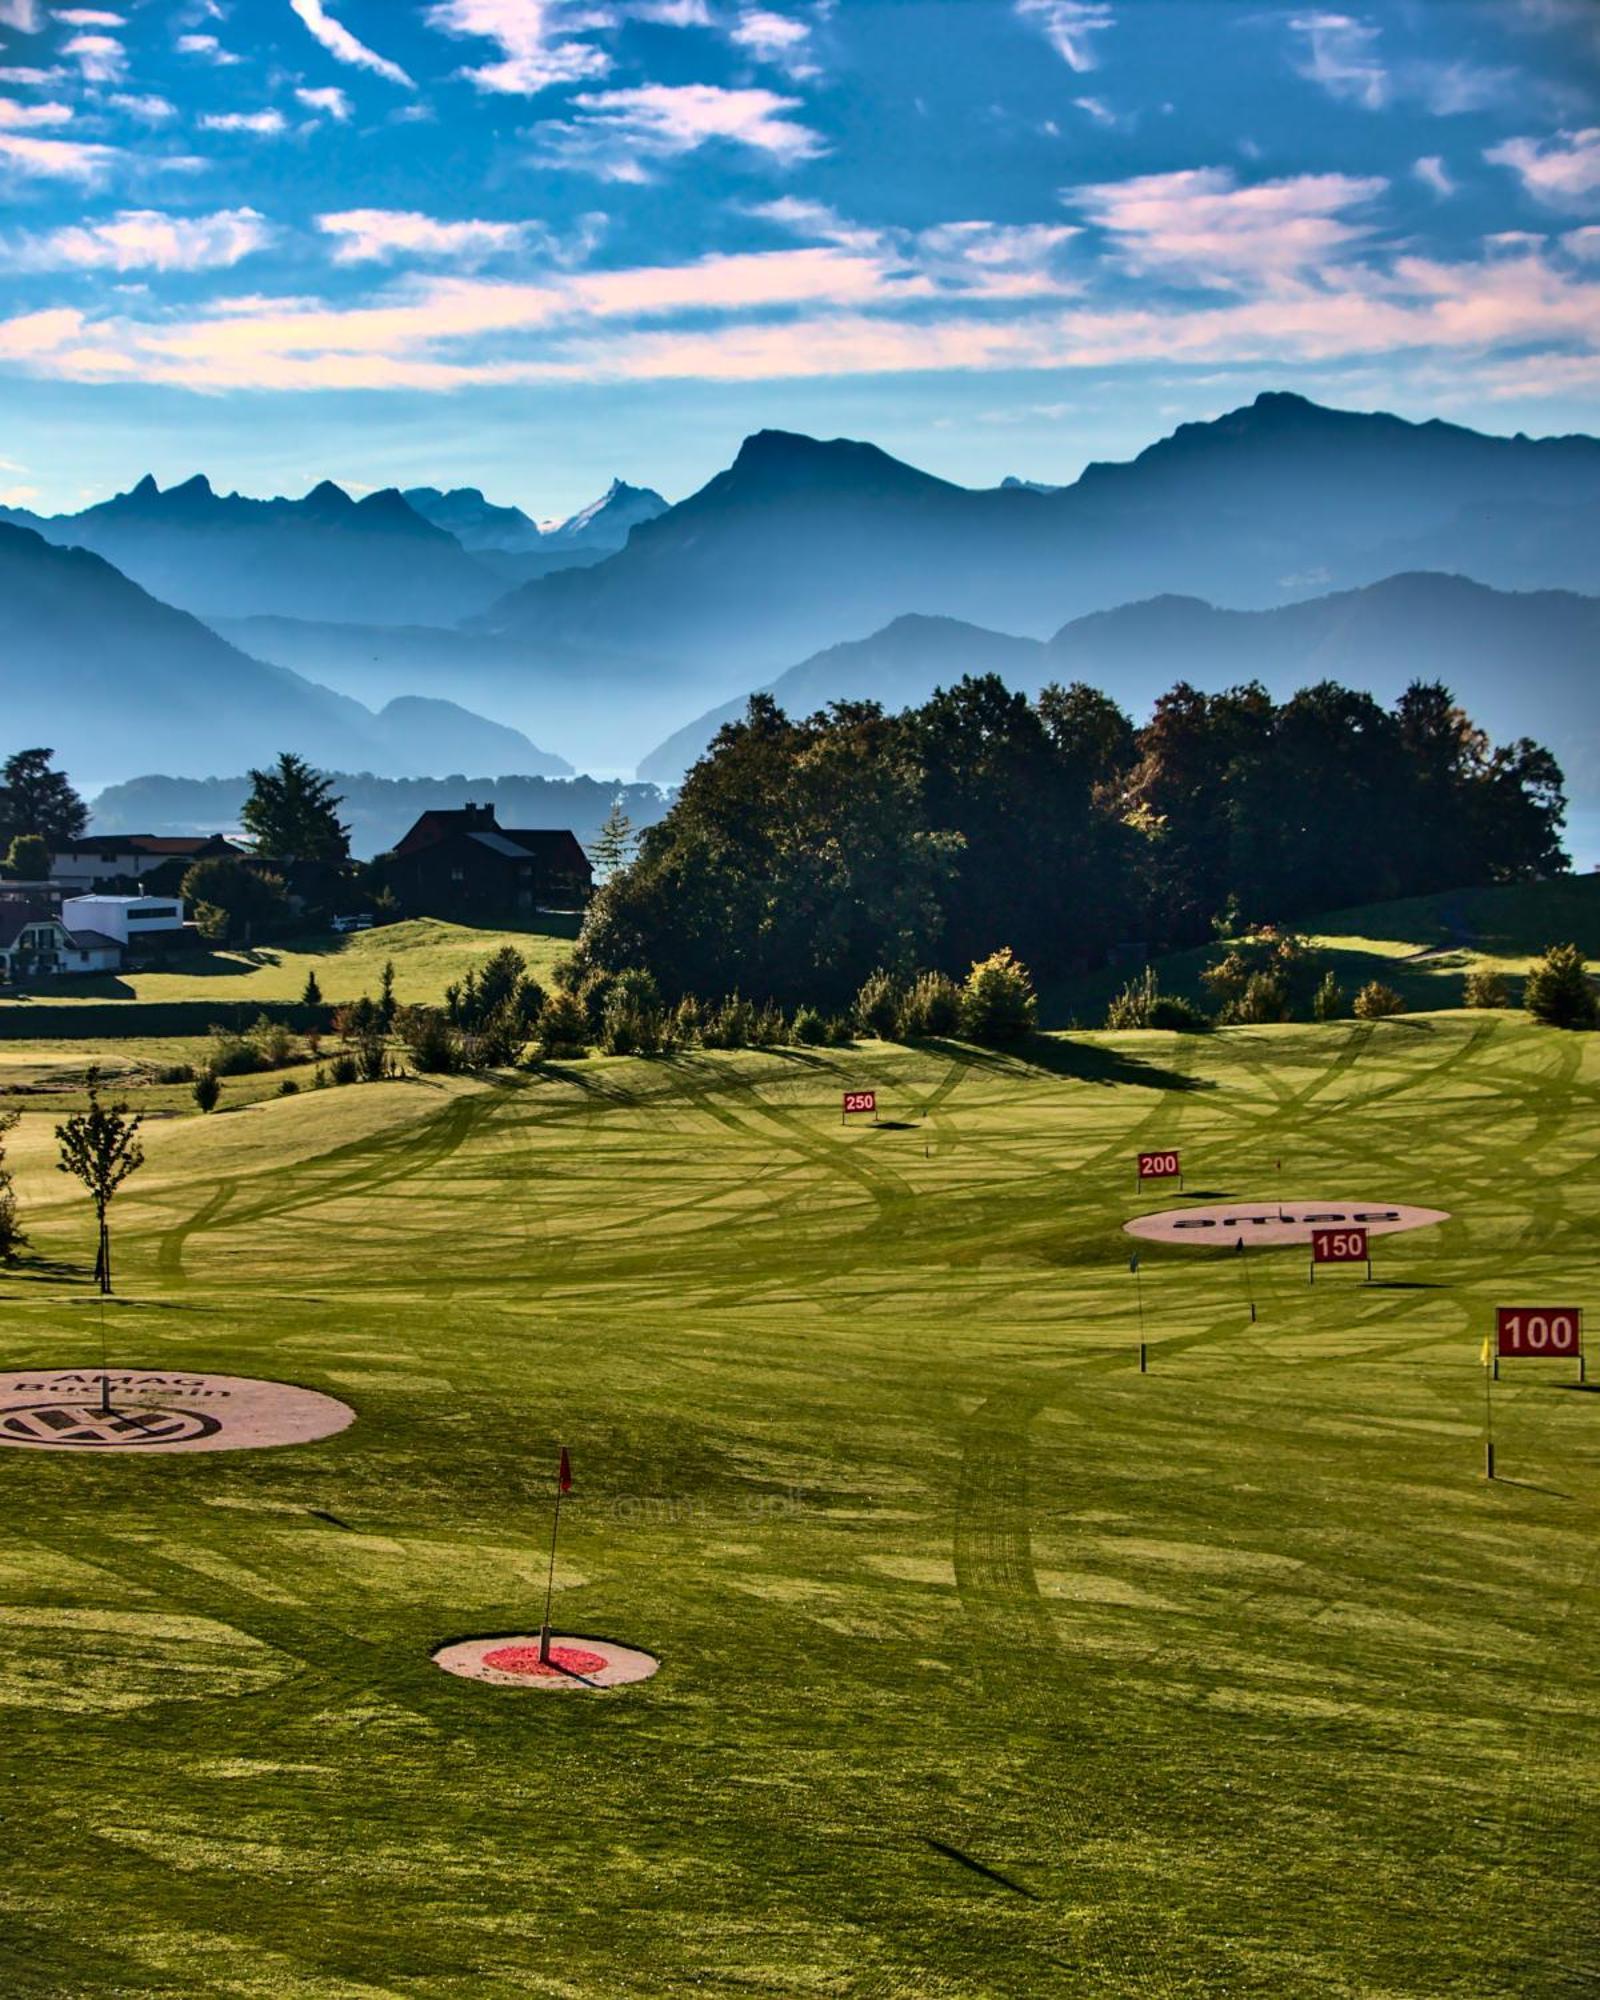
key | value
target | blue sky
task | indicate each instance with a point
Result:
(530, 244)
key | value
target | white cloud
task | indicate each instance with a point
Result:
(101, 58)
(14, 115)
(1433, 173)
(330, 101)
(380, 235)
(622, 135)
(30, 76)
(1069, 27)
(148, 110)
(90, 17)
(1584, 243)
(1200, 225)
(1561, 171)
(208, 49)
(55, 159)
(1341, 54)
(143, 240)
(778, 39)
(23, 15)
(535, 41)
(343, 46)
(265, 124)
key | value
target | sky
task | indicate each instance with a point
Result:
(531, 245)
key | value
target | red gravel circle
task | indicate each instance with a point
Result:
(563, 1660)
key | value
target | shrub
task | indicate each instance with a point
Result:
(810, 1029)
(997, 1002)
(563, 1027)
(232, 1055)
(274, 1042)
(1328, 1003)
(1131, 1007)
(319, 1080)
(372, 1058)
(932, 1007)
(11, 1235)
(877, 1006)
(207, 1089)
(176, 1073)
(730, 1026)
(1180, 1016)
(344, 1069)
(684, 1024)
(1265, 998)
(1486, 988)
(769, 1030)
(429, 1040)
(1375, 1001)
(839, 1035)
(288, 1088)
(1559, 991)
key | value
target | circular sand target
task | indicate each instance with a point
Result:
(149, 1410)
(512, 1660)
(1221, 1226)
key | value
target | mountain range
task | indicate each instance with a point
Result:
(519, 548)
(1521, 663)
(117, 682)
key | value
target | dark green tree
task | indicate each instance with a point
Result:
(36, 799)
(292, 814)
(614, 844)
(11, 1233)
(232, 901)
(1559, 991)
(29, 858)
(100, 1148)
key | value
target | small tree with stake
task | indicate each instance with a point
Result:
(100, 1147)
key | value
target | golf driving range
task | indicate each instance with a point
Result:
(988, 1665)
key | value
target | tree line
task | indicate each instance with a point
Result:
(804, 854)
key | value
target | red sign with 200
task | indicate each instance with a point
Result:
(1159, 1167)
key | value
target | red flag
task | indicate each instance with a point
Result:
(564, 1476)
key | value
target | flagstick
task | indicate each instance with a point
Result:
(1244, 1272)
(549, 1589)
(105, 1366)
(1488, 1424)
(1138, 1292)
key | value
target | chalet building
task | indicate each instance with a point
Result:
(36, 944)
(462, 865)
(154, 861)
(137, 923)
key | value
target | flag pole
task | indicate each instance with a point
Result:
(1244, 1272)
(563, 1480)
(1488, 1415)
(1138, 1292)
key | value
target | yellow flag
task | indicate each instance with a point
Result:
(1485, 1350)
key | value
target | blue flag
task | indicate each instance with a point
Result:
(1133, 1261)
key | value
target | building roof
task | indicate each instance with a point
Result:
(102, 846)
(501, 843)
(16, 917)
(94, 941)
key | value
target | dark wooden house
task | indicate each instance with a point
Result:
(462, 865)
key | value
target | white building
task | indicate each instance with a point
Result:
(128, 919)
(36, 944)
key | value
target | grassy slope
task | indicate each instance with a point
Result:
(1423, 946)
(1238, 1671)
(428, 955)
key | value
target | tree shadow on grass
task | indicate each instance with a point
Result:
(1086, 1062)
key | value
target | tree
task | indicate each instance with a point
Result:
(1375, 1002)
(36, 799)
(207, 1089)
(1559, 991)
(29, 858)
(292, 814)
(386, 1000)
(11, 1236)
(100, 1147)
(997, 1003)
(311, 993)
(614, 843)
(232, 901)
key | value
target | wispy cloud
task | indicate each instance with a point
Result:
(1200, 226)
(1340, 53)
(1562, 171)
(778, 39)
(266, 124)
(15, 116)
(537, 39)
(330, 101)
(143, 239)
(31, 158)
(1433, 173)
(1069, 26)
(208, 49)
(26, 16)
(381, 235)
(101, 58)
(624, 135)
(345, 47)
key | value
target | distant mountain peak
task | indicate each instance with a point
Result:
(326, 497)
(147, 489)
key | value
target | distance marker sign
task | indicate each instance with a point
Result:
(1160, 1167)
(858, 1101)
(1339, 1246)
(1538, 1333)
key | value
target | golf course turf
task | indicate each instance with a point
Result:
(988, 1665)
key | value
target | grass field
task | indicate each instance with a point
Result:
(990, 1667)
(428, 955)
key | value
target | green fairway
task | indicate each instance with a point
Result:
(990, 1666)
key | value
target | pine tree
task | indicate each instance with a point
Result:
(1559, 991)
(35, 799)
(614, 843)
(291, 813)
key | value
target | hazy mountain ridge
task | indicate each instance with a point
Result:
(1521, 663)
(801, 544)
(113, 678)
